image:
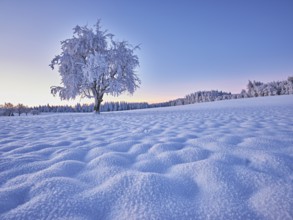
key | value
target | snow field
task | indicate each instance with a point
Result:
(222, 160)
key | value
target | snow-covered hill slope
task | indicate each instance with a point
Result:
(222, 160)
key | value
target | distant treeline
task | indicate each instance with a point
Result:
(254, 89)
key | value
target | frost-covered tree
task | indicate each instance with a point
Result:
(290, 85)
(20, 108)
(27, 110)
(93, 64)
(8, 109)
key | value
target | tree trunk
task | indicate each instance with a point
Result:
(98, 101)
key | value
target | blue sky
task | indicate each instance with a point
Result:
(186, 45)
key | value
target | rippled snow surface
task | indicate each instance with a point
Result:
(221, 160)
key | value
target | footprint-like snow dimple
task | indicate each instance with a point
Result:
(231, 140)
(78, 154)
(139, 149)
(230, 159)
(32, 148)
(67, 168)
(122, 146)
(151, 166)
(62, 143)
(193, 154)
(110, 159)
(163, 147)
(12, 197)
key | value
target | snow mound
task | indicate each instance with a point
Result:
(222, 160)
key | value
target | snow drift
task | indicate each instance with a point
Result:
(222, 160)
